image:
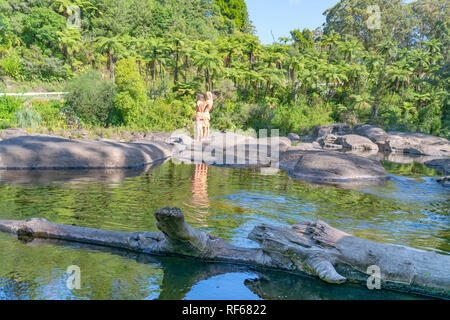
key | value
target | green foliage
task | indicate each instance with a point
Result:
(8, 106)
(27, 118)
(236, 11)
(5, 124)
(130, 97)
(92, 99)
(168, 51)
(290, 118)
(11, 65)
(41, 27)
(50, 112)
(163, 115)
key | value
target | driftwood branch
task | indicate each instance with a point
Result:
(313, 248)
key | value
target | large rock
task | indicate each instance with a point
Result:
(405, 142)
(417, 143)
(375, 134)
(355, 142)
(34, 152)
(445, 181)
(293, 137)
(326, 166)
(337, 129)
(442, 165)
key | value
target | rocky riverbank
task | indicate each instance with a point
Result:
(331, 154)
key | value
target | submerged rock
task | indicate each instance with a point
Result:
(34, 152)
(445, 181)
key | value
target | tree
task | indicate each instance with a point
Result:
(113, 48)
(70, 41)
(209, 60)
(235, 10)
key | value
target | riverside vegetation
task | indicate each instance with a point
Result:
(137, 65)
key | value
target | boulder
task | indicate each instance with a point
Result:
(307, 139)
(376, 134)
(405, 142)
(34, 152)
(339, 128)
(329, 139)
(355, 142)
(442, 165)
(293, 137)
(445, 181)
(417, 143)
(326, 166)
(181, 138)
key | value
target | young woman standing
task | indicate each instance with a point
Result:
(206, 114)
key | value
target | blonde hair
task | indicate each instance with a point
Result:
(209, 95)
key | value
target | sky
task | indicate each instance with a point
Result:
(281, 16)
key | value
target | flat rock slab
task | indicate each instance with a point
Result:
(417, 143)
(326, 166)
(41, 152)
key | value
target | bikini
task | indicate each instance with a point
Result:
(199, 115)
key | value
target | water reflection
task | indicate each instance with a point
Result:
(411, 211)
(73, 176)
(200, 199)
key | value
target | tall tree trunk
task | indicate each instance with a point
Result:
(175, 79)
(154, 66)
(296, 85)
(111, 66)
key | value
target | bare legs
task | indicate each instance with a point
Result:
(198, 130)
(205, 130)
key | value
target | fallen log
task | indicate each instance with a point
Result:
(313, 248)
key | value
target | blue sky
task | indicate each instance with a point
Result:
(281, 16)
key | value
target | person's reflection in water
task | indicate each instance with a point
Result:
(200, 198)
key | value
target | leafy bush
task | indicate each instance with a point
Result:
(92, 99)
(28, 118)
(5, 124)
(36, 66)
(11, 65)
(288, 118)
(9, 105)
(51, 114)
(131, 94)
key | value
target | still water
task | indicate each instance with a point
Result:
(411, 209)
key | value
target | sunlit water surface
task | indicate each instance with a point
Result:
(411, 209)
